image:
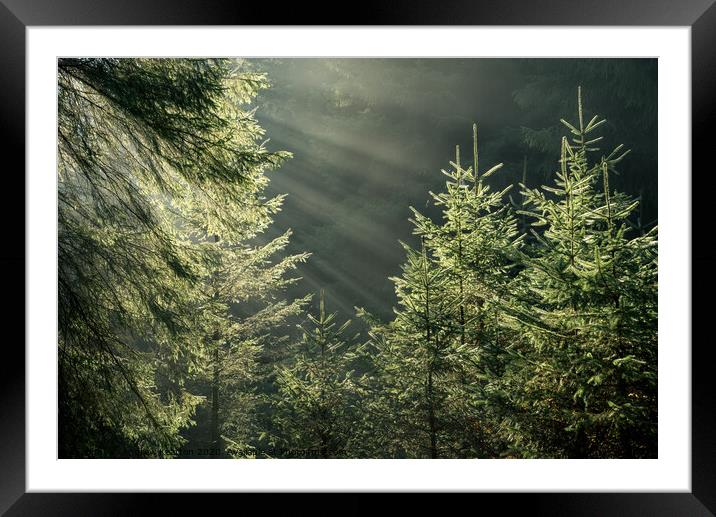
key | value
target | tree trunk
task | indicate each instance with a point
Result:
(431, 418)
(215, 434)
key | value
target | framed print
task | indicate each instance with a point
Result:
(438, 250)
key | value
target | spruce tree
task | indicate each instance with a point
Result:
(474, 244)
(445, 325)
(318, 391)
(585, 304)
(413, 355)
(248, 312)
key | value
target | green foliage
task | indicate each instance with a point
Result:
(520, 330)
(435, 359)
(246, 312)
(586, 314)
(317, 393)
(160, 178)
(626, 91)
(413, 356)
(507, 347)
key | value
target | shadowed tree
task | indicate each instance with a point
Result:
(157, 160)
(318, 392)
(584, 383)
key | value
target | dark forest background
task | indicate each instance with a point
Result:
(369, 137)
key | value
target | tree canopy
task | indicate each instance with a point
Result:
(160, 180)
(525, 322)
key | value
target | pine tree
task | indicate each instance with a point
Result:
(318, 392)
(413, 355)
(157, 160)
(248, 311)
(445, 325)
(584, 383)
(474, 245)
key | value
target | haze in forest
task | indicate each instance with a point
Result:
(370, 136)
(357, 258)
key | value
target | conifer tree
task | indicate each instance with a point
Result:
(318, 392)
(173, 305)
(413, 355)
(472, 247)
(584, 383)
(158, 159)
(248, 310)
(435, 360)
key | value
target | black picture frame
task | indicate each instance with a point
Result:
(17, 15)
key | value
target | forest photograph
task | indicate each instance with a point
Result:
(357, 258)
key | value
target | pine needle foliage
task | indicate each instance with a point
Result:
(161, 171)
(520, 330)
(317, 397)
(436, 358)
(586, 312)
(504, 346)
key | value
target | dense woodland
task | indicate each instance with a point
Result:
(525, 315)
